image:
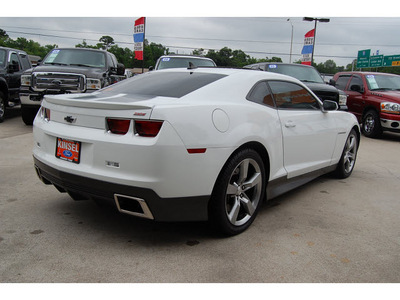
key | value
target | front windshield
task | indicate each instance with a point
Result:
(2, 58)
(76, 57)
(383, 82)
(304, 74)
(183, 62)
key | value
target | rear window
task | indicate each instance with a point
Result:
(171, 84)
(183, 62)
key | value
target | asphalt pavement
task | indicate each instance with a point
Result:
(329, 231)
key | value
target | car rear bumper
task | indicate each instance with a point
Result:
(137, 201)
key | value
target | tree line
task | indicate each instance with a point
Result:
(224, 57)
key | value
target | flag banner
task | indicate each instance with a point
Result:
(138, 38)
(308, 48)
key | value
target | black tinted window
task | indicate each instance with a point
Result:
(342, 81)
(2, 58)
(25, 61)
(292, 96)
(355, 80)
(261, 94)
(164, 84)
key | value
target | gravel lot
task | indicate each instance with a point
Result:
(330, 231)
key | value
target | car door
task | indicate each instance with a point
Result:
(355, 100)
(14, 76)
(309, 135)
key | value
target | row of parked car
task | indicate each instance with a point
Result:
(373, 97)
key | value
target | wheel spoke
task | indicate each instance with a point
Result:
(247, 205)
(232, 189)
(233, 214)
(244, 169)
(252, 182)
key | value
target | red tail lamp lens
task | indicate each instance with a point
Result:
(148, 128)
(118, 126)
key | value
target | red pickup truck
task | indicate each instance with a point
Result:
(374, 98)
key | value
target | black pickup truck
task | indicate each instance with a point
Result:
(12, 63)
(64, 71)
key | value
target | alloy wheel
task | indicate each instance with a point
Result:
(243, 192)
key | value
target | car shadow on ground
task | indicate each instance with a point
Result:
(106, 220)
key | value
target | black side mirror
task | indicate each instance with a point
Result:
(120, 69)
(332, 82)
(357, 88)
(13, 67)
(329, 105)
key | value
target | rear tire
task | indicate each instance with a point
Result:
(348, 159)
(238, 193)
(28, 113)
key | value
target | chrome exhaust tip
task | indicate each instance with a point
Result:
(133, 206)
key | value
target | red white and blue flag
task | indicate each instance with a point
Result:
(138, 38)
(308, 48)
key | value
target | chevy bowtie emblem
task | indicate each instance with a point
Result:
(70, 119)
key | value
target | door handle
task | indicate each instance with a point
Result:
(290, 124)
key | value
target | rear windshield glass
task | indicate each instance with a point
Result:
(183, 62)
(171, 84)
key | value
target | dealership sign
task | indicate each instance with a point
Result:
(366, 60)
(308, 48)
(138, 38)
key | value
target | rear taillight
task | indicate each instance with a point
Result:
(45, 113)
(147, 128)
(118, 126)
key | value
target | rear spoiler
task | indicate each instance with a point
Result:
(91, 101)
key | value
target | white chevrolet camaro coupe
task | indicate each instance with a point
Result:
(192, 144)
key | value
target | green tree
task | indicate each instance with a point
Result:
(3, 34)
(106, 42)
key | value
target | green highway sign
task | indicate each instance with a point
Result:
(376, 61)
(391, 61)
(363, 58)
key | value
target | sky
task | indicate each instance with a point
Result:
(260, 30)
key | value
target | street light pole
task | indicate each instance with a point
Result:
(324, 20)
(291, 42)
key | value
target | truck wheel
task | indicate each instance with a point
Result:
(28, 114)
(2, 107)
(371, 125)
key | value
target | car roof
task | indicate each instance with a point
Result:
(185, 56)
(280, 63)
(236, 72)
(363, 73)
(12, 49)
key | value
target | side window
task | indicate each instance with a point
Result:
(355, 80)
(261, 94)
(25, 61)
(14, 59)
(342, 81)
(111, 61)
(292, 96)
